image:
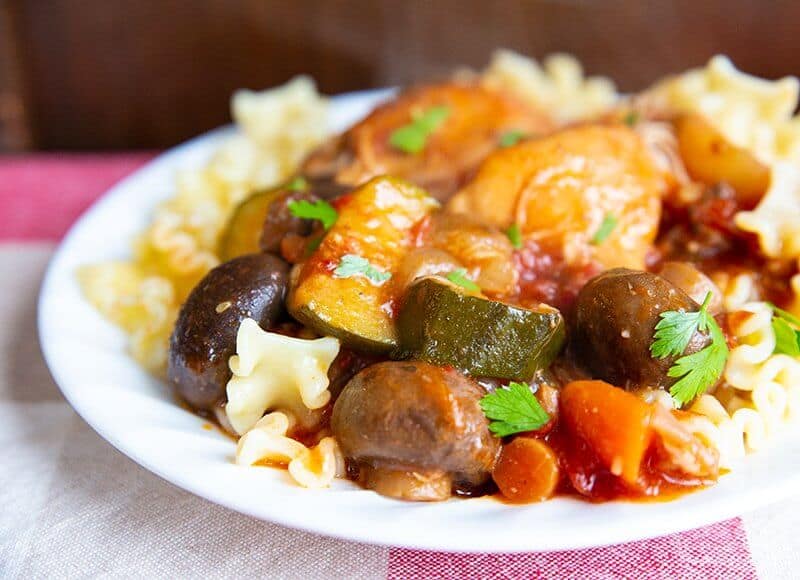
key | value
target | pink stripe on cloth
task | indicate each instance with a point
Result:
(716, 551)
(41, 195)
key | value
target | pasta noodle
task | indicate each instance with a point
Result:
(750, 112)
(274, 371)
(267, 441)
(764, 389)
(144, 306)
(737, 290)
(732, 434)
(558, 86)
(776, 220)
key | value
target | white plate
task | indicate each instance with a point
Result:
(138, 415)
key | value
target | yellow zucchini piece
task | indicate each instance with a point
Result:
(375, 223)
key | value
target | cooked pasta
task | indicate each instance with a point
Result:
(272, 371)
(732, 434)
(750, 112)
(145, 306)
(776, 220)
(558, 85)
(267, 442)
(737, 289)
(763, 389)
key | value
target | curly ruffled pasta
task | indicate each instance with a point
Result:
(732, 434)
(267, 442)
(773, 380)
(750, 112)
(273, 371)
(145, 306)
(737, 289)
(762, 391)
(776, 220)
(558, 86)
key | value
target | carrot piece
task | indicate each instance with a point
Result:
(527, 471)
(613, 422)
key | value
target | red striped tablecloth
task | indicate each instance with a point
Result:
(71, 505)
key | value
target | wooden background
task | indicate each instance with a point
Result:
(114, 74)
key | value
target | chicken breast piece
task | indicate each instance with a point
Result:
(560, 190)
(476, 118)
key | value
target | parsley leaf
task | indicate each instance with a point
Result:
(513, 409)
(699, 370)
(351, 266)
(319, 210)
(786, 327)
(515, 236)
(605, 229)
(298, 183)
(631, 118)
(512, 137)
(313, 244)
(411, 138)
(459, 277)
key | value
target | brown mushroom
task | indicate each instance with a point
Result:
(415, 431)
(615, 318)
(692, 281)
(204, 338)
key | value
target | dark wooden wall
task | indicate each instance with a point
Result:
(109, 74)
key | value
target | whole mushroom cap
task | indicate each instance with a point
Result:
(415, 417)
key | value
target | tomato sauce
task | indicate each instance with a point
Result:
(544, 276)
(706, 235)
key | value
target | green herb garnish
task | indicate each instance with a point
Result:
(515, 236)
(319, 210)
(786, 327)
(411, 138)
(631, 118)
(459, 277)
(512, 137)
(351, 266)
(298, 183)
(605, 229)
(699, 370)
(313, 244)
(513, 409)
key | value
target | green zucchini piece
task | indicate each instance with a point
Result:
(243, 231)
(443, 324)
(375, 224)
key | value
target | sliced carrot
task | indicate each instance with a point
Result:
(613, 422)
(527, 471)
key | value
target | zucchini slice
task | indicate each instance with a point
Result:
(375, 224)
(244, 227)
(443, 324)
